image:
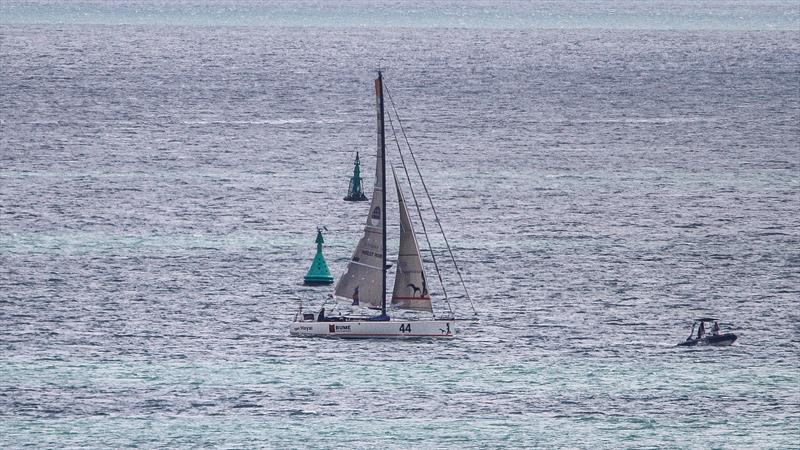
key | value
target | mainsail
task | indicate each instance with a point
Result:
(364, 280)
(410, 285)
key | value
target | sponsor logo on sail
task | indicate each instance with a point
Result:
(376, 216)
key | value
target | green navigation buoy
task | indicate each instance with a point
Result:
(356, 191)
(318, 274)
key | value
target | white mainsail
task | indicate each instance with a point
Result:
(363, 281)
(410, 285)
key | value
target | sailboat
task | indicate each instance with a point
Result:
(364, 281)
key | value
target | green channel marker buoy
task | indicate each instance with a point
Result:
(318, 274)
(356, 191)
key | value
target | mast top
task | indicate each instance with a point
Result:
(380, 71)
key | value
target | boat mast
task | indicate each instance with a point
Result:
(382, 151)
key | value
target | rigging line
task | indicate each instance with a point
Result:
(433, 208)
(419, 213)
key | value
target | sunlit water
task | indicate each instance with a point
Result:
(162, 175)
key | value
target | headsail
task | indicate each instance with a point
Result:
(364, 281)
(410, 285)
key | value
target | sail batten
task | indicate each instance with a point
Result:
(365, 265)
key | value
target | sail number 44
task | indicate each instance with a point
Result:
(405, 328)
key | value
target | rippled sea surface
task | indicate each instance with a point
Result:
(161, 182)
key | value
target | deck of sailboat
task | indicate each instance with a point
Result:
(353, 327)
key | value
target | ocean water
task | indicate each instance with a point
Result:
(606, 173)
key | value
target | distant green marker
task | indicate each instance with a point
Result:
(355, 193)
(318, 274)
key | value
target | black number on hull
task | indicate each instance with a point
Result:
(405, 328)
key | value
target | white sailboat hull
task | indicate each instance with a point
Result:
(392, 329)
